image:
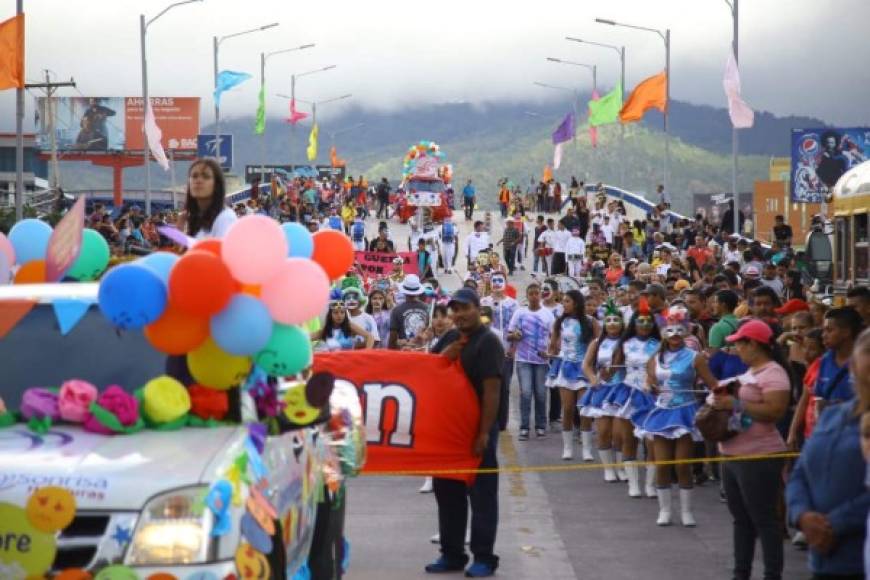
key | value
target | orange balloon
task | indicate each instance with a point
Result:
(73, 574)
(162, 576)
(252, 289)
(212, 245)
(200, 284)
(176, 331)
(33, 272)
(334, 252)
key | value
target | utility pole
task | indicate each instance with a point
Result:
(50, 88)
(19, 140)
(734, 142)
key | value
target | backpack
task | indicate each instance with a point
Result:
(358, 232)
(447, 233)
(335, 222)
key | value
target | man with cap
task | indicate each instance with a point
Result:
(482, 356)
(409, 319)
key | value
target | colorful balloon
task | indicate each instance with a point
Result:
(243, 327)
(177, 331)
(7, 249)
(297, 293)
(200, 284)
(212, 367)
(30, 238)
(212, 245)
(334, 252)
(254, 248)
(31, 273)
(299, 240)
(160, 263)
(132, 296)
(93, 259)
(287, 353)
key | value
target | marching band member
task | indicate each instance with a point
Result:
(575, 251)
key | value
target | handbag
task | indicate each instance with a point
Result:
(714, 424)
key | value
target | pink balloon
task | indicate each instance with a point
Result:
(298, 293)
(6, 248)
(254, 249)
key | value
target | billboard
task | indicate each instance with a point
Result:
(712, 206)
(206, 145)
(820, 156)
(97, 124)
(315, 171)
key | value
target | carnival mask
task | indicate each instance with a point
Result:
(498, 282)
(674, 330)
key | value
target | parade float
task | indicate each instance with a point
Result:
(164, 422)
(425, 182)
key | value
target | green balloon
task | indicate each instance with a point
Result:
(93, 259)
(287, 352)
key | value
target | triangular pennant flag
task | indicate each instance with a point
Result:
(260, 124)
(295, 116)
(69, 313)
(12, 53)
(651, 93)
(605, 110)
(312, 143)
(11, 313)
(226, 80)
(565, 130)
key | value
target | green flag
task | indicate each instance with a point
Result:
(605, 110)
(260, 126)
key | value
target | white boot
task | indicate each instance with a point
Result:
(686, 508)
(650, 486)
(567, 445)
(665, 501)
(620, 471)
(606, 456)
(633, 473)
(586, 438)
(427, 485)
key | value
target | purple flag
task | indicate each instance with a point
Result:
(565, 131)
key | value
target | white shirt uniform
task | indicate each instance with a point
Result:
(560, 240)
(476, 243)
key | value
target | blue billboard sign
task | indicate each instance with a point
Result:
(820, 156)
(206, 146)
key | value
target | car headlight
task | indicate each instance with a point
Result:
(174, 528)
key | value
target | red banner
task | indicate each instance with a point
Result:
(375, 264)
(420, 411)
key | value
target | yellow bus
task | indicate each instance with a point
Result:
(851, 245)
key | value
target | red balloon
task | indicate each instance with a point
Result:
(200, 284)
(211, 245)
(334, 252)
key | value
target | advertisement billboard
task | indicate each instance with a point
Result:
(95, 124)
(313, 171)
(712, 206)
(820, 156)
(206, 146)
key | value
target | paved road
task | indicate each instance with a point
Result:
(553, 525)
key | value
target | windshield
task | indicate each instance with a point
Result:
(419, 185)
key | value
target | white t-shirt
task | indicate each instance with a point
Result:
(575, 246)
(222, 223)
(560, 240)
(367, 322)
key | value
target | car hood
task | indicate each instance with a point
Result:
(110, 472)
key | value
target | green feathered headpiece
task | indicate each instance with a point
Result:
(611, 309)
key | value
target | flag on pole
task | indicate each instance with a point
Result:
(649, 94)
(548, 174)
(154, 135)
(593, 130)
(335, 161)
(226, 80)
(260, 125)
(742, 116)
(295, 116)
(12, 53)
(564, 132)
(605, 110)
(312, 142)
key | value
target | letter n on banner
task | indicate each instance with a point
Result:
(420, 411)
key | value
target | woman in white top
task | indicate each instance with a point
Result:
(205, 214)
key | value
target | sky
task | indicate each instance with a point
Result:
(800, 57)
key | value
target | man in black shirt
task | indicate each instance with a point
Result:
(782, 232)
(383, 192)
(482, 356)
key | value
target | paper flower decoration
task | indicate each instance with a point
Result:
(208, 404)
(164, 400)
(39, 403)
(75, 399)
(114, 411)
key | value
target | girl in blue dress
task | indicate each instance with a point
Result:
(672, 375)
(572, 333)
(638, 345)
(338, 332)
(599, 369)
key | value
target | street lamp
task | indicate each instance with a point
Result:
(594, 69)
(146, 150)
(732, 4)
(666, 38)
(216, 41)
(293, 78)
(620, 50)
(333, 134)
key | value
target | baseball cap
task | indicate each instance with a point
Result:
(751, 272)
(755, 329)
(681, 284)
(655, 290)
(792, 306)
(465, 295)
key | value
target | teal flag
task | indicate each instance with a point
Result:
(260, 126)
(605, 110)
(226, 80)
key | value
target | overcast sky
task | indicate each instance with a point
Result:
(806, 57)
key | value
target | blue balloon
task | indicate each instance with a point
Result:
(160, 263)
(30, 239)
(244, 327)
(299, 240)
(132, 296)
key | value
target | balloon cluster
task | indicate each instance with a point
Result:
(27, 245)
(228, 304)
(419, 151)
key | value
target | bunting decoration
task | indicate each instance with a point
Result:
(12, 53)
(295, 116)
(11, 313)
(312, 142)
(227, 80)
(154, 136)
(652, 93)
(742, 116)
(260, 125)
(605, 110)
(70, 312)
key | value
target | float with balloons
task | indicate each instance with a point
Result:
(428, 150)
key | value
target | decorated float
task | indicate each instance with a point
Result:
(425, 184)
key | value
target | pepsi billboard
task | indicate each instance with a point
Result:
(820, 156)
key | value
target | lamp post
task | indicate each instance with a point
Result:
(334, 134)
(734, 38)
(666, 38)
(620, 50)
(594, 69)
(216, 42)
(146, 151)
(293, 78)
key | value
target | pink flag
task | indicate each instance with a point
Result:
(154, 135)
(295, 116)
(741, 115)
(593, 131)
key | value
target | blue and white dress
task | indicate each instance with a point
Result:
(566, 370)
(673, 414)
(631, 395)
(591, 405)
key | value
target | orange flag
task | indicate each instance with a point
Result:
(12, 53)
(651, 93)
(334, 159)
(548, 174)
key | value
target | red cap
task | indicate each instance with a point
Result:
(792, 306)
(755, 329)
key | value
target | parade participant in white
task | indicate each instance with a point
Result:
(447, 234)
(475, 243)
(355, 300)
(575, 251)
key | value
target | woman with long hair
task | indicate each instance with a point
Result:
(338, 332)
(640, 342)
(379, 309)
(205, 214)
(599, 370)
(672, 375)
(572, 333)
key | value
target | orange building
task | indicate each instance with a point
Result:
(772, 199)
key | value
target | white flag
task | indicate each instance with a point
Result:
(557, 156)
(154, 135)
(741, 115)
